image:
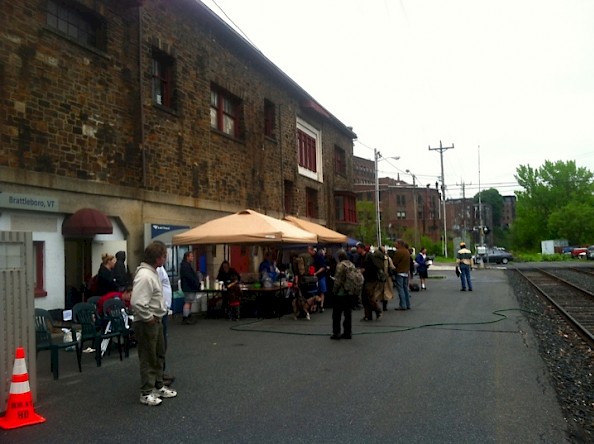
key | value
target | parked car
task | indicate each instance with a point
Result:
(590, 254)
(579, 252)
(496, 255)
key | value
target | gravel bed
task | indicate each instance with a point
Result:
(568, 357)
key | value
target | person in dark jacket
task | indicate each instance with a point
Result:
(190, 285)
(422, 267)
(121, 272)
(106, 282)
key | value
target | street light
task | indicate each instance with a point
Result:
(414, 178)
(378, 157)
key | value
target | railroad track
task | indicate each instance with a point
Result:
(575, 302)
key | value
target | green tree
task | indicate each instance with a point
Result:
(493, 198)
(366, 220)
(552, 195)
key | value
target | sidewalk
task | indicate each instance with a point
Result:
(457, 367)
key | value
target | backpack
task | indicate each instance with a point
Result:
(353, 281)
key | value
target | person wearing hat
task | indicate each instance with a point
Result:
(464, 262)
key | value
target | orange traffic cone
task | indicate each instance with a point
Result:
(19, 408)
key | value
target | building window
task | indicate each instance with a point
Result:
(311, 203)
(39, 269)
(77, 23)
(401, 215)
(309, 151)
(339, 161)
(400, 200)
(346, 208)
(224, 111)
(163, 79)
(289, 197)
(269, 119)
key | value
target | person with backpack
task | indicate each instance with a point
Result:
(346, 287)
(370, 273)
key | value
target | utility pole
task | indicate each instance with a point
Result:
(441, 149)
(464, 226)
(378, 227)
(482, 229)
(416, 211)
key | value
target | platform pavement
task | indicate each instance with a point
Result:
(458, 367)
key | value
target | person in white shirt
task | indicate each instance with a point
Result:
(167, 298)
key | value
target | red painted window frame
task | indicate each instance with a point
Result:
(306, 147)
(163, 79)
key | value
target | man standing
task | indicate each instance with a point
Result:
(370, 273)
(149, 308)
(343, 299)
(464, 262)
(402, 265)
(189, 285)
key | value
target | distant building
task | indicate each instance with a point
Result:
(397, 203)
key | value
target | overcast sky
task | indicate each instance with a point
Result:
(515, 77)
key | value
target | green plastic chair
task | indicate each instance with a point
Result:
(112, 312)
(45, 341)
(92, 330)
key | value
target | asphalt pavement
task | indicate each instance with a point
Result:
(459, 367)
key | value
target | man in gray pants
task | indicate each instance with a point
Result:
(149, 308)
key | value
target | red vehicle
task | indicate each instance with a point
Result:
(579, 252)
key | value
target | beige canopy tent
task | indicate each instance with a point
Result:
(245, 227)
(324, 235)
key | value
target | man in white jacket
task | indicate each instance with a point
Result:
(149, 308)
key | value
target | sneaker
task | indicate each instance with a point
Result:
(307, 316)
(378, 316)
(150, 399)
(164, 392)
(335, 337)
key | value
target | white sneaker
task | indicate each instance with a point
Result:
(150, 399)
(307, 316)
(164, 392)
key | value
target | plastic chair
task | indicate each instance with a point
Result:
(45, 341)
(85, 315)
(113, 312)
(93, 300)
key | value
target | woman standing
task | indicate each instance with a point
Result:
(422, 266)
(106, 282)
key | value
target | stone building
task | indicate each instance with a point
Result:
(124, 121)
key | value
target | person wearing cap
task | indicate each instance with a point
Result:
(464, 262)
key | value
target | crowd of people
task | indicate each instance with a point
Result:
(380, 276)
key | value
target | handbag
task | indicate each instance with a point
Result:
(457, 271)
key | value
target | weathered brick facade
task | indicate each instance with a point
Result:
(115, 105)
(82, 120)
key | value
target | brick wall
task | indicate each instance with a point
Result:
(75, 112)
